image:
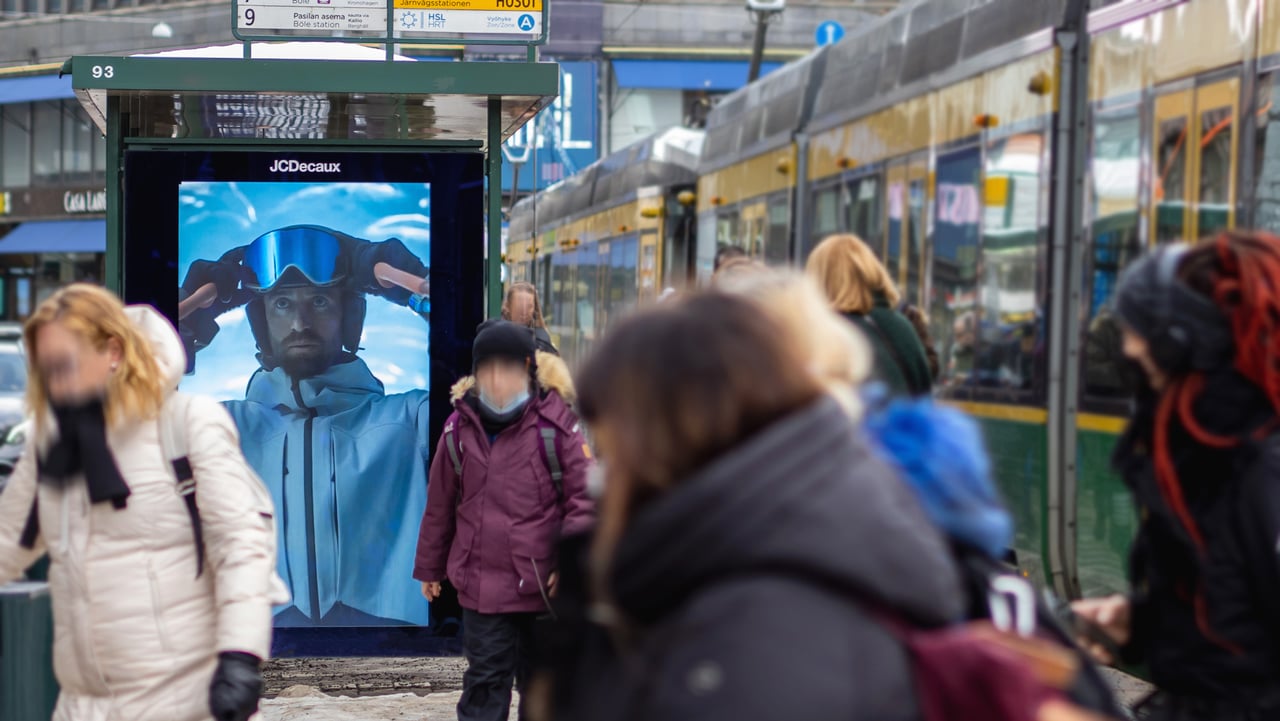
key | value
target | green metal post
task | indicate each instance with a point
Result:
(114, 261)
(493, 279)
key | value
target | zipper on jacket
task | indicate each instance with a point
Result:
(309, 496)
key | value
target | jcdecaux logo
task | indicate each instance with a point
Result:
(294, 166)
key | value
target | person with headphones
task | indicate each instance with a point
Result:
(344, 460)
(1201, 456)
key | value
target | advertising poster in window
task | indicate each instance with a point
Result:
(956, 240)
(305, 310)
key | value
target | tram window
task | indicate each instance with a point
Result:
(914, 254)
(894, 224)
(862, 207)
(1217, 129)
(727, 230)
(777, 246)
(826, 213)
(957, 320)
(1010, 297)
(1170, 180)
(1266, 207)
(1114, 192)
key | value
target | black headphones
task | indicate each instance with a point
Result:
(1192, 333)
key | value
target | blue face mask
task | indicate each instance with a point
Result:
(511, 407)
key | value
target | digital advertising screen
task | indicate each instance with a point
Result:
(328, 300)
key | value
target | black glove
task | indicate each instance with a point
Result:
(236, 687)
(199, 328)
(365, 255)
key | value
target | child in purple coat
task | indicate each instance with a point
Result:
(509, 477)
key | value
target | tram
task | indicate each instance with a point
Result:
(1007, 159)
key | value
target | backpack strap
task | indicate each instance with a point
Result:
(173, 442)
(552, 457)
(451, 445)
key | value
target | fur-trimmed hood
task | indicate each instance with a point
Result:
(553, 375)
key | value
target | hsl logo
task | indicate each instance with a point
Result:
(294, 166)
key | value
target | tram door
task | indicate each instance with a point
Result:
(1193, 173)
(754, 220)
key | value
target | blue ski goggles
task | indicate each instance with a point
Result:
(311, 251)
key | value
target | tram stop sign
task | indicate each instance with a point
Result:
(828, 33)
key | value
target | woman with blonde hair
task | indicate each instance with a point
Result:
(858, 287)
(162, 608)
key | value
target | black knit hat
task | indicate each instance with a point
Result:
(502, 339)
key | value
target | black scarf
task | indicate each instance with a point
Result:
(82, 448)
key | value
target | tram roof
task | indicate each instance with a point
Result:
(666, 158)
(309, 91)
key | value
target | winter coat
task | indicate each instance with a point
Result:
(136, 633)
(900, 360)
(493, 531)
(347, 467)
(1207, 624)
(745, 590)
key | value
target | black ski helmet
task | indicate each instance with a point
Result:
(1184, 329)
(296, 256)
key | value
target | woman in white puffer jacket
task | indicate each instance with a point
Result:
(144, 627)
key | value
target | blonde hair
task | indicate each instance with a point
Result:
(850, 274)
(137, 388)
(834, 350)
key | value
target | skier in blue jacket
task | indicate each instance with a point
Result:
(346, 463)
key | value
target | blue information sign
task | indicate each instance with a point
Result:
(828, 33)
(564, 134)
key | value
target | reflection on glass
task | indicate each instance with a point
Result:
(954, 313)
(897, 218)
(727, 230)
(1267, 202)
(1217, 129)
(1009, 342)
(915, 240)
(862, 204)
(1169, 190)
(1114, 199)
(15, 145)
(826, 213)
(777, 247)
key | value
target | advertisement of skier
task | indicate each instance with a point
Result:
(305, 308)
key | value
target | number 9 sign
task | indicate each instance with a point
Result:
(248, 17)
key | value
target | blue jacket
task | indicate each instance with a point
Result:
(347, 468)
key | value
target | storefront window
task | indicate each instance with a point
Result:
(15, 145)
(77, 142)
(47, 130)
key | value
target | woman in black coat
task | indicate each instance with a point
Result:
(860, 288)
(746, 533)
(1202, 458)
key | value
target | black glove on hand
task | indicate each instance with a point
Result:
(365, 255)
(228, 275)
(236, 687)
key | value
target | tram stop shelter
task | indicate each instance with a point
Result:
(245, 116)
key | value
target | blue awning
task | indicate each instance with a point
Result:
(716, 75)
(56, 236)
(35, 87)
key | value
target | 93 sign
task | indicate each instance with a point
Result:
(103, 71)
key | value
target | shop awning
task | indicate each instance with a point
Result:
(718, 75)
(35, 87)
(56, 236)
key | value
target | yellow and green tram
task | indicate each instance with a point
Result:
(1007, 160)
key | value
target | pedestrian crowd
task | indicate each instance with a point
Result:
(744, 505)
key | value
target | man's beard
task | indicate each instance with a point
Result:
(306, 363)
